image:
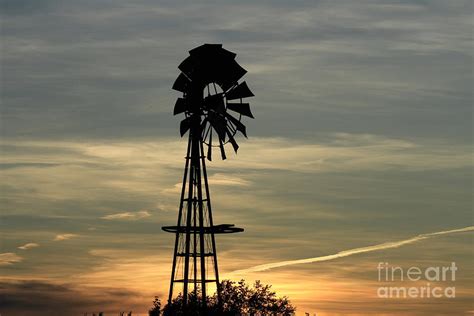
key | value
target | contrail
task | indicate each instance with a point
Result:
(350, 252)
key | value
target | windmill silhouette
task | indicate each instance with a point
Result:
(213, 109)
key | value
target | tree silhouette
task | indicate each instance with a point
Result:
(237, 298)
(156, 308)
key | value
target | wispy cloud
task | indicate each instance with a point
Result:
(127, 216)
(28, 246)
(62, 237)
(9, 258)
(355, 251)
(222, 179)
(217, 179)
(334, 151)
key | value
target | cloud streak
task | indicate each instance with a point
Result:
(43, 297)
(62, 237)
(28, 246)
(355, 251)
(9, 258)
(127, 215)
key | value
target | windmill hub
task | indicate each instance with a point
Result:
(213, 109)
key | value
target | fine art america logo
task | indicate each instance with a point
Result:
(424, 276)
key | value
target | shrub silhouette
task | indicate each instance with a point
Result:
(237, 298)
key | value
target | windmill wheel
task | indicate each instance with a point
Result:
(212, 97)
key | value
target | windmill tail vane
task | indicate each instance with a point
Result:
(213, 108)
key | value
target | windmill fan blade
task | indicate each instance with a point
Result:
(184, 126)
(214, 49)
(180, 106)
(241, 91)
(227, 54)
(209, 146)
(233, 73)
(181, 83)
(240, 127)
(221, 146)
(222, 66)
(242, 108)
(219, 124)
(232, 140)
(208, 58)
(205, 49)
(188, 66)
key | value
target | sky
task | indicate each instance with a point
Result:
(360, 151)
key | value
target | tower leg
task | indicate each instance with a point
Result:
(202, 244)
(180, 214)
(211, 223)
(190, 205)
